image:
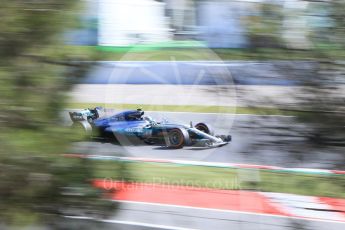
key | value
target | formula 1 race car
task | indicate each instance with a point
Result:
(133, 124)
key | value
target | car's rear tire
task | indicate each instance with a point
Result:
(177, 138)
(203, 127)
(81, 131)
(149, 141)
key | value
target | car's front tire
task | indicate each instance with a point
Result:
(203, 127)
(177, 138)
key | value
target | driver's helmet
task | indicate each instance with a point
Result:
(133, 115)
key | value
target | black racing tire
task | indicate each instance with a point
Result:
(81, 131)
(205, 128)
(177, 138)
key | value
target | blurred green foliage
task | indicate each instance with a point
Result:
(337, 19)
(324, 94)
(321, 34)
(36, 70)
(264, 25)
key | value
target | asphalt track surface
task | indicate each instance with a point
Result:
(246, 131)
(136, 215)
(285, 73)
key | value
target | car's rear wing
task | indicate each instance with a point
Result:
(86, 114)
(77, 116)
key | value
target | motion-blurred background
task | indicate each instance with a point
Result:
(269, 72)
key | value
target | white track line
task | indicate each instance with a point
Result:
(196, 208)
(232, 211)
(133, 223)
(216, 164)
(169, 227)
(303, 206)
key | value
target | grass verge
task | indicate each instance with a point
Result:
(186, 51)
(189, 108)
(222, 178)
